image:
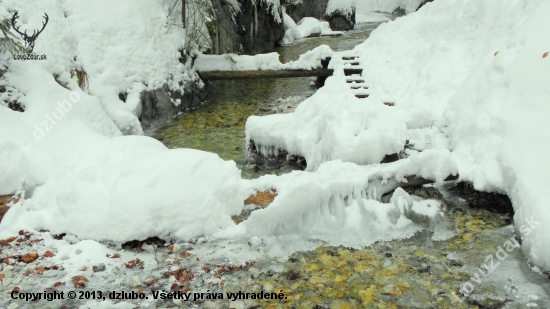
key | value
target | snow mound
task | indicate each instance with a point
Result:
(309, 60)
(462, 75)
(340, 202)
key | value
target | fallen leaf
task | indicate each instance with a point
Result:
(187, 289)
(79, 284)
(15, 289)
(49, 254)
(114, 256)
(79, 278)
(28, 258)
(496, 53)
(84, 268)
(171, 248)
(545, 55)
(58, 284)
(1, 277)
(39, 270)
(10, 239)
(186, 254)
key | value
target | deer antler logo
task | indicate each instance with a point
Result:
(29, 40)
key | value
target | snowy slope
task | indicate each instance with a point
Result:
(464, 75)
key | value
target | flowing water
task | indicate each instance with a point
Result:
(410, 273)
(219, 125)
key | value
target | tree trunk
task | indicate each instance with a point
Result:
(183, 13)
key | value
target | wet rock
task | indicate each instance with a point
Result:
(496, 202)
(488, 296)
(98, 268)
(252, 30)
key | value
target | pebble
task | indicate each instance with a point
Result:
(78, 251)
(100, 267)
(136, 282)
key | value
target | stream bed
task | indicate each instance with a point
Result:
(411, 273)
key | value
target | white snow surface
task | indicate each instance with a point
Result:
(464, 75)
(306, 27)
(309, 60)
(386, 6)
(80, 175)
(469, 109)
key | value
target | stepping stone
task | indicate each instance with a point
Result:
(359, 87)
(361, 96)
(357, 81)
(349, 58)
(389, 103)
(349, 72)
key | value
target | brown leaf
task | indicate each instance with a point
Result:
(175, 287)
(3, 242)
(28, 258)
(49, 254)
(79, 284)
(114, 256)
(39, 270)
(15, 289)
(10, 239)
(496, 53)
(6, 260)
(186, 254)
(2, 277)
(58, 284)
(545, 55)
(79, 278)
(261, 198)
(171, 248)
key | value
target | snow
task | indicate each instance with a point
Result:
(467, 110)
(463, 75)
(309, 60)
(306, 27)
(67, 150)
(386, 6)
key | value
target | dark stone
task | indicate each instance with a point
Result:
(496, 202)
(424, 3)
(158, 108)
(390, 158)
(341, 21)
(253, 30)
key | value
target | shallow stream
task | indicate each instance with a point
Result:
(219, 125)
(410, 273)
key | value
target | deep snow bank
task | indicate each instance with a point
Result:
(128, 48)
(464, 75)
(81, 176)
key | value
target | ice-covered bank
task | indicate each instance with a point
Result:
(462, 75)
